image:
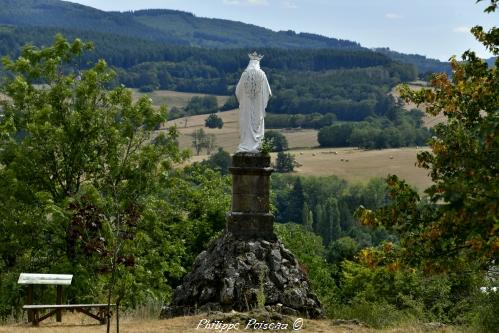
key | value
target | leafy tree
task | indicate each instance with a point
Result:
(279, 141)
(310, 253)
(214, 121)
(457, 224)
(220, 160)
(199, 138)
(341, 249)
(308, 217)
(202, 105)
(335, 135)
(77, 160)
(285, 162)
(209, 142)
(231, 104)
(328, 223)
(296, 201)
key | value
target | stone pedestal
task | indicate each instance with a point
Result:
(247, 268)
(250, 217)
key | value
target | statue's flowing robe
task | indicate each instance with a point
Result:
(253, 93)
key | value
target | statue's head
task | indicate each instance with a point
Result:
(255, 56)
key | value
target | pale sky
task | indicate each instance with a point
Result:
(435, 28)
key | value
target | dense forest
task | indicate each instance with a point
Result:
(350, 84)
(155, 31)
(170, 26)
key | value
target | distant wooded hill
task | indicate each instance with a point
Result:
(162, 26)
(164, 49)
(159, 25)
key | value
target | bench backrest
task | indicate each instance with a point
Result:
(53, 279)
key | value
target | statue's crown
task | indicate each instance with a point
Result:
(255, 56)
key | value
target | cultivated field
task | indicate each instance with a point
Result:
(357, 165)
(228, 136)
(352, 164)
(77, 324)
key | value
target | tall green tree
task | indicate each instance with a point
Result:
(328, 224)
(278, 140)
(295, 204)
(285, 162)
(78, 166)
(458, 223)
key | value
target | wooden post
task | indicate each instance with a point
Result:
(58, 314)
(29, 301)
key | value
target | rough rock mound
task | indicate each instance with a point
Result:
(242, 275)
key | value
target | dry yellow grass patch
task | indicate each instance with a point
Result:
(356, 165)
(78, 324)
(428, 120)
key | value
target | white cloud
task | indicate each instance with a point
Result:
(393, 16)
(246, 2)
(462, 29)
(289, 4)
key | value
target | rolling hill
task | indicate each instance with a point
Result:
(36, 20)
(158, 25)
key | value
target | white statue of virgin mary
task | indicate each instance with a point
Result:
(253, 93)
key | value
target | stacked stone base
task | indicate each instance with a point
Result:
(244, 275)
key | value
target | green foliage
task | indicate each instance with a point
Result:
(328, 221)
(266, 146)
(402, 295)
(296, 201)
(332, 203)
(425, 66)
(312, 120)
(201, 140)
(398, 129)
(80, 164)
(87, 188)
(221, 160)
(335, 135)
(483, 316)
(457, 224)
(214, 121)
(279, 141)
(201, 105)
(310, 252)
(231, 104)
(285, 162)
(344, 248)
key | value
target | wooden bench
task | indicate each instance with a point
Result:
(101, 314)
(59, 280)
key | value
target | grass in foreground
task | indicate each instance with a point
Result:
(73, 323)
